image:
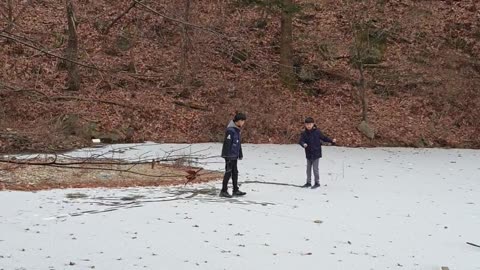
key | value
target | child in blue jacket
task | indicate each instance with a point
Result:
(232, 152)
(311, 139)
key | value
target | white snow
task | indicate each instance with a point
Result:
(383, 208)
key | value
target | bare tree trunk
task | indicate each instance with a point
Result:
(360, 53)
(286, 63)
(363, 94)
(9, 15)
(185, 42)
(73, 83)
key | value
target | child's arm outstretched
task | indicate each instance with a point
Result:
(327, 139)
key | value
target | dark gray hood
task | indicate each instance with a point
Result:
(232, 124)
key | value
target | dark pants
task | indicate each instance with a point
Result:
(231, 170)
(313, 164)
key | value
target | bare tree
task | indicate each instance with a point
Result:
(360, 50)
(73, 83)
(368, 47)
(9, 15)
(287, 10)
(287, 74)
(369, 44)
(185, 46)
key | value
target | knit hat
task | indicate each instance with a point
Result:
(309, 120)
(239, 116)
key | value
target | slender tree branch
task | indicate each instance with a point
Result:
(44, 51)
(132, 5)
(181, 21)
(45, 96)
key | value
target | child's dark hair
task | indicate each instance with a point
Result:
(309, 120)
(239, 116)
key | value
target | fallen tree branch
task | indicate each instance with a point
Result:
(472, 244)
(398, 38)
(271, 183)
(116, 170)
(44, 51)
(29, 162)
(342, 57)
(91, 100)
(45, 96)
(93, 160)
(384, 66)
(65, 166)
(88, 164)
(191, 105)
(97, 162)
(34, 42)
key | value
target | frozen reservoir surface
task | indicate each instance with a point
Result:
(381, 208)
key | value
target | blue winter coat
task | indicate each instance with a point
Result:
(232, 145)
(313, 138)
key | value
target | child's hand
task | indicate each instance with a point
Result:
(334, 140)
(305, 145)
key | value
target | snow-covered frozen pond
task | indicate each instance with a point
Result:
(382, 208)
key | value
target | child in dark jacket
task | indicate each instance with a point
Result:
(311, 139)
(232, 152)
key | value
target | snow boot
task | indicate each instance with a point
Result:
(238, 193)
(225, 194)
